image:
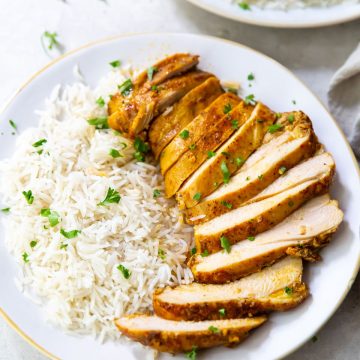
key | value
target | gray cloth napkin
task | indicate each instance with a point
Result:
(344, 99)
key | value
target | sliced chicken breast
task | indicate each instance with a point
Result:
(247, 183)
(212, 138)
(169, 124)
(259, 216)
(135, 110)
(228, 158)
(303, 233)
(276, 288)
(191, 133)
(179, 336)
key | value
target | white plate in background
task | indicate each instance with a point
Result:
(292, 18)
(329, 280)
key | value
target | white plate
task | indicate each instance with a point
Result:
(294, 18)
(329, 280)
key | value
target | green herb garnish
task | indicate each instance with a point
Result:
(274, 128)
(227, 108)
(12, 124)
(211, 154)
(282, 170)
(226, 204)
(156, 193)
(225, 244)
(126, 272)
(197, 196)
(33, 243)
(232, 90)
(251, 77)
(288, 290)
(261, 177)
(239, 161)
(225, 171)
(192, 147)
(63, 246)
(5, 210)
(291, 118)
(141, 149)
(244, 5)
(114, 153)
(150, 72)
(70, 234)
(205, 253)
(291, 203)
(112, 197)
(193, 251)
(184, 134)
(235, 124)
(25, 257)
(126, 87)
(100, 101)
(51, 39)
(214, 329)
(251, 238)
(28, 196)
(250, 99)
(161, 254)
(115, 63)
(53, 216)
(99, 122)
(192, 354)
(39, 143)
(314, 339)
(222, 312)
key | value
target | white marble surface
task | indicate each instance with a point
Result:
(313, 55)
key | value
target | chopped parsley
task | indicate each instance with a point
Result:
(161, 254)
(99, 122)
(25, 257)
(205, 253)
(192, 147)
(250, 99)
(251, 77)
(278, 115)
(125, 87)
(222, 312)
(156, 193)
(251, 238)
(33, 243)
(28, 196)
(211, 154)
(115, 63)
(39, 143)
(52, 216)
(226, 204)
(70, 234)
(184, 134)
(274, 128)
(227, 108)
(141, 148)
(100, 101)
(291, 203)
(154, 88)
(192, 354)
(232, 90)
(239, 161)
(114, 153)
(5, 210)
(214, 329)
(314, 339)
(261, 177)
(294, 102)
(235, 124)
(247, 178)
(282, 170)
(291, 118)
(63, 246)
(150, 72)
(193, 251)
(126, 272)
(124, 145)
(288, 290)
(51, 39)
(225, 153)
(225, 171)
(197, 196)
(225, 244)
(244, 5)
(112, 197)
(12, 124)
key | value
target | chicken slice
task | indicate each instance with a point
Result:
(303, 233)
(229, 156)
(167, 125)
(193, 131)
(179, 336)
(212, 138)
(259, 216)
(276, 288)
(246, 183)
(135, 111)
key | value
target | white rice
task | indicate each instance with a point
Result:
(80, 288)
(294, 4)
